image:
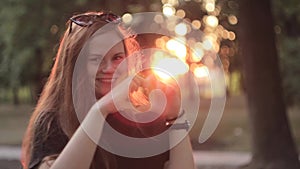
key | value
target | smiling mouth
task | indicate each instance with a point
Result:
(105, 80)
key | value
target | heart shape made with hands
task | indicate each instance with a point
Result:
(144, 83)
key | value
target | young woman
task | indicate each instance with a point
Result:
(65, 128)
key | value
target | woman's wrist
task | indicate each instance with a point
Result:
(99, 107)
(181, 114)
(94, 122)
(178, 123)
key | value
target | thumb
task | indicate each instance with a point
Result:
(158, 101)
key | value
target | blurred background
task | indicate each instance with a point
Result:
(235, 30)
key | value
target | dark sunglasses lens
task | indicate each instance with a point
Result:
(83, 19)
(80, 20)
(86, 20)
(112, 17)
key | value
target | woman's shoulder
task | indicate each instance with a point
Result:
(48, 138)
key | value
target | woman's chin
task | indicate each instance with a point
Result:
(101, 92)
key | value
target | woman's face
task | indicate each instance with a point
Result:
(105, 64)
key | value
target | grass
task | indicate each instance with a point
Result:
(232, 133)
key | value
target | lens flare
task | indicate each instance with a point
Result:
(197, 54)
(181, 29)
(168, 10)
(127, 18)
(180, 13)
(168, 68)
(212, 21)
(210, 7)
(177, 48)
(201, 71)
(196, 24)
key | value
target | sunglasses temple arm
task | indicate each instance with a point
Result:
(70, 29)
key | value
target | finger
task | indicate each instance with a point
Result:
(136, 82)
(158, 101)
(139, 98)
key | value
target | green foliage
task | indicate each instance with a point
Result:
(290, 59)
(29, 34)
(8, 71)
(287, 18)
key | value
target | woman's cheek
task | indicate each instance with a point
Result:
(92, 69)
(121, 72)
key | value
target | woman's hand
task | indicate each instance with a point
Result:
(143, 93)
(173, 95)
(163, 95)
(118, 98)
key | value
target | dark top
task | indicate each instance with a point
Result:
(57, 140)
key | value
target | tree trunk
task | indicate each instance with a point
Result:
(272, 143)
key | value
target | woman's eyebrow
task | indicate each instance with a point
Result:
(119, 53)
(95, 55)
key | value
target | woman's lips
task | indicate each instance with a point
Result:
(105, 80)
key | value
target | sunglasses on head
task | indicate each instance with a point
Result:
(85, 20)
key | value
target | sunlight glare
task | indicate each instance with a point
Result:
(127, 18)
(210, 6)
(212, 21)
(201, 71)
(168, 10)
(196, 24)
(167, 68)
(173, 2)
(231, 35)
(181, 29)
(197, 54)
(207, 44)
(177, 48)
(232, 19)
(180, 13)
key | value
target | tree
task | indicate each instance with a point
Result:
(28, 37)
(9, 72)
(272, 143)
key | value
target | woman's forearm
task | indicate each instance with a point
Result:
(181, 156)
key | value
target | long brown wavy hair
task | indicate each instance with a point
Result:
(56, 101)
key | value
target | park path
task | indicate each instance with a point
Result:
(202, 158)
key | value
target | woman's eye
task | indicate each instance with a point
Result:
(95, 59)
(118, 58)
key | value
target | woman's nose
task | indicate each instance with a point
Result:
(107, 67)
